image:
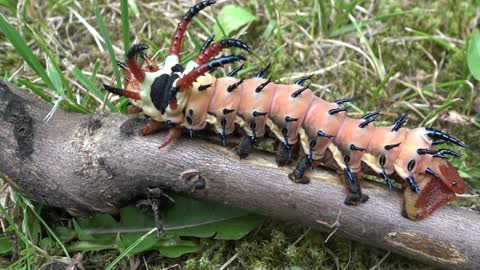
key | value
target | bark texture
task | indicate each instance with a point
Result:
(98, 163)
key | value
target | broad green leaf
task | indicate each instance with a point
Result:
(473, 56)
(5, 245)
(231, 19)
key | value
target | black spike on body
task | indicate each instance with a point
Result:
(113, 90)
(353, 186)
(387, 180)
(121, 65)
(438, 153)
(136, 49)
(431, 172)
(234, 86)
(298, 175)
(369, 118)
(310, 160)
(190, 133)
(204, 87)
(263, 72)
(227, 111)
(256, 114)
(438, 142)
(391, 146)
(413, 185)
(299, 91)
(262, 85)
(337, 110)
(370, 115)
(303, 79)
(196, 9)
(235, 71)
(290, 119)
(400, 122)
(323, 134)
(353, 147)
(221, 61)
(228, 43)
(207, 43)
(343, 100)
(439, 135)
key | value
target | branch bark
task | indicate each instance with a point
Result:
(97, 163)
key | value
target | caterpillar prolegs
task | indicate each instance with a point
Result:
(190, 99)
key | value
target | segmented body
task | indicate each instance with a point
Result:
(192, 99)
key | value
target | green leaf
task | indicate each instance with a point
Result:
(473, 56)
(231, 19)
(5, 245)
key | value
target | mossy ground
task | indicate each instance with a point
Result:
(425, 74)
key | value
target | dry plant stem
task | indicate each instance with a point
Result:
(98, 163)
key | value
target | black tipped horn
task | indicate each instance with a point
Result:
(343, 100)
(262, 85)
(440, 135)
(227, 43)
(207, 43)
(235, 71)
(261, 73)
(431, 172)
(299, 91)
(136, 49)
(234, 86)
(323, 134)
(372, 114)
(303, 79)
(400, 122)
(337, 110)
(413, 185)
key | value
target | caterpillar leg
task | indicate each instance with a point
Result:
(246, 146)
(150, 127)
(121, 92)
(283, 154)
(298, 175)
(355, 195)
(172, 135)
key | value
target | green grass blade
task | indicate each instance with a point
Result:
(376, 91)
(22, 48)
(440, 42)
(128, 249)
(125, 25)
(108, 42)
(78, 74)
(444, 106)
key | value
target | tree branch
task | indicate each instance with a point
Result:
(97, 163)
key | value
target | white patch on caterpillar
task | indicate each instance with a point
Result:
(274, 128)
(305, 141)
(170, 62)
(372, 162)
(243, 125)
(337, 155)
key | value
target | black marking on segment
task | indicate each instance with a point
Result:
(257, 114)
(313, 143)
(391, 146)
(290, 119)
(227, 111)
(234, 86)
(207, 43)
(189, 120)
(411, 165)
(439, 135)
(212, 114)
(337, 110)
(400, 122)
(346, 159)
(343, 100)
(353, 147)
(235, 71)
(196, 9)
(323, 134)
(303, 79)
(382, 160)
(204, 87)
(223, 60)
(369, 118)
(177, 68)
(190, 112)
(261, 73)
(413, 185)
(262, 85)
(161, 91)
(370, 115)
(300, 91)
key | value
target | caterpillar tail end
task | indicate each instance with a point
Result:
(436, 191)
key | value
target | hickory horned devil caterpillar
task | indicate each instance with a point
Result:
(189, 98)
